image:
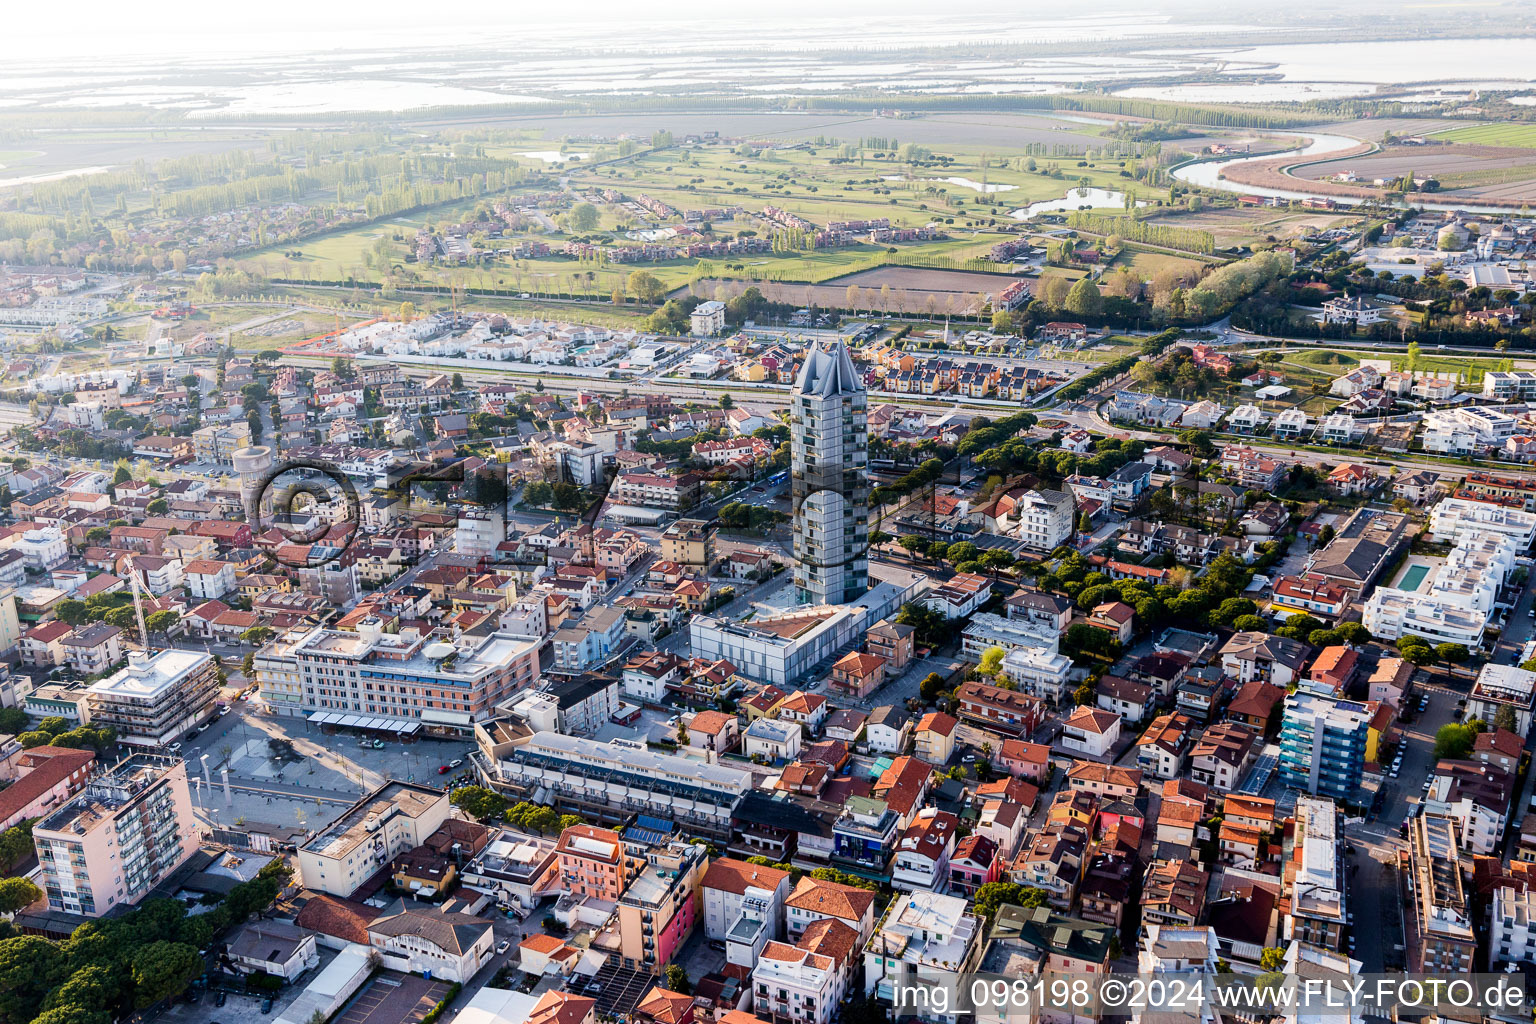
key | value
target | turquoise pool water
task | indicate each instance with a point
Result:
(1414, 577)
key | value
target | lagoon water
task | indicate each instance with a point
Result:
(1075, 199)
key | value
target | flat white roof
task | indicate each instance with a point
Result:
(149, 679)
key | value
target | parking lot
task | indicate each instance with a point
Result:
(392, 998)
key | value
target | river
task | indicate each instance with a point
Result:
(1208, 174)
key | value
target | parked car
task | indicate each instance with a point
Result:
(266, 1005)
(442, 769)
(503, 946)
(456, 762)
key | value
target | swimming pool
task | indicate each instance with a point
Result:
(1413, 578)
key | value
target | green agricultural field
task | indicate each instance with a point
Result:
(1503, 134)
(820, 184)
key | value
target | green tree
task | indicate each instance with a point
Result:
(1452, 654)
(583, 218)
(1272, 958)
(28, 968)
(15, 846)
(158, 507)
(991, 661)
(677, 979)
(1084, 299)
(123, 476)
(1454, 740)
(163, 969)
(993, 895)
(645, 286)
(16, 893)
(161, 622)
(70, 610)
(479, 802)
(1505, 719)
(930, 688)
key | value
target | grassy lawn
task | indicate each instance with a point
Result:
(1147, 264)
(1506, 134)
(1323, 357)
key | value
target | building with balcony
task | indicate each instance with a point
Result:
(590, 862)
(661, 906)
(155, 699)
(1313, 876)
(1322, 743)
(925, 935)
(1446, 941)
(127, 831)
(406, 682)
(614, 780)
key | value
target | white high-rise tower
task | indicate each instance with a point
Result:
(829, 477)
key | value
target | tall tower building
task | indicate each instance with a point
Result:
(829, 477)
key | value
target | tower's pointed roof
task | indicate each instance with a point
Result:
(828, 370)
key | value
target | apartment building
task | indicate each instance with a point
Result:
(829, 483)
(407, 682)
(127, 831)
(1512, 926)
(661, 906)
(610, 781)
(1322, 743)
(396, 817)
(591, 862)
(1313, 875)
(217, 444)
(1045, 519)
(689, 542)
(1447, 942)
(924, 935)
(792, 985)
(155, 699)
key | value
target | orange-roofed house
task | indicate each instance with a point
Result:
(1025, 760)
(563, 1008)
(1255, 705)
(591, 862)
(1090, 731)
(52, 776)
(807, 709)
(795, 986)
(1112, 782)
(763, 703)
(734, 889)
(816, 900)
(544, 954)
(663, 1006)
(1335, 667)
(714, 730)
(936, 737)
(858, 675)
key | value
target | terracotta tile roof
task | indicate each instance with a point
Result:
(710, 723)
(560, 1008)
(330, 915)
(902, 784)
(52, 766)
(541, 943)
(1092, 773)
(938, 722)
(730, 875)
(1092, 719)
(829, 937)
(845, 902)
(665, 1006)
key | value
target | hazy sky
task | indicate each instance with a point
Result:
(36, 29)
